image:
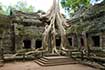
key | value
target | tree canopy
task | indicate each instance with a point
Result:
(23, 6)
(20, 5)
(73, 5)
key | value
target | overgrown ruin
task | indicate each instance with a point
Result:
(51, 33)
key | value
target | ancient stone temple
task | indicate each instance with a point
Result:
(49, 39)
(21, 30)
(24, 31)
(89, 23)
(28, 30)
(5, 33)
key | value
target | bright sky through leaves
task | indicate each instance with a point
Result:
(38, 4)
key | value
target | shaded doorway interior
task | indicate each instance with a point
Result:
(82, 42)
(38, 44)
(27, 44)
(96, 41)
(70, 41)
(58, 42)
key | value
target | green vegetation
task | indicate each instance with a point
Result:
(74, 5)
(21, 6)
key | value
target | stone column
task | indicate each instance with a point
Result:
(90, 41)
(73, 41)
(85, 40)
(33, 43)
(14, 37)
(102, 38)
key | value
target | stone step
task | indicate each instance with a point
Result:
(56, 60)
(59, 60)
(39, 63)
(44, 59)
(50, 55)
(56, 57)
(60, 63)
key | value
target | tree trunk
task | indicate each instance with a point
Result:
(56, 20)
(62, 32)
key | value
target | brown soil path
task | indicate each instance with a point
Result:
(30, 65)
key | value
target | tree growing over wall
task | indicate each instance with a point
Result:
(57, 22)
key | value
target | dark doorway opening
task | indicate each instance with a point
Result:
(58, 42)
(82, 42)
(27, 44)
(70, 41)
(96, 41)
(38, 44)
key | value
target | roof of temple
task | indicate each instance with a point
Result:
(5, 21)
(27, 18)
(91, 20)
(4, 18)
(92, 11)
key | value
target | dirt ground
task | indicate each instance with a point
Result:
(31, 65)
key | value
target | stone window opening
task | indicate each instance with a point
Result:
(70, 41)
(27, 43)
(38, 43)
(58, 42)
(82, 42)
(96, 41)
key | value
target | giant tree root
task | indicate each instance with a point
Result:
(54, 50)
(56, 23)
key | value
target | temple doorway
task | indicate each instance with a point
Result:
(27, 44)
(58, 42)
(38, 43)
(82, 42)
(70, 41)
(96, 41)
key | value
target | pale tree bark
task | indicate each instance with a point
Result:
(56, 20)
(62, 32)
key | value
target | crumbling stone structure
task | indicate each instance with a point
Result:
(24, 31)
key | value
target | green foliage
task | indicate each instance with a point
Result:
(73, 5)
(1, 9)
(23, 6)
(5, 10)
